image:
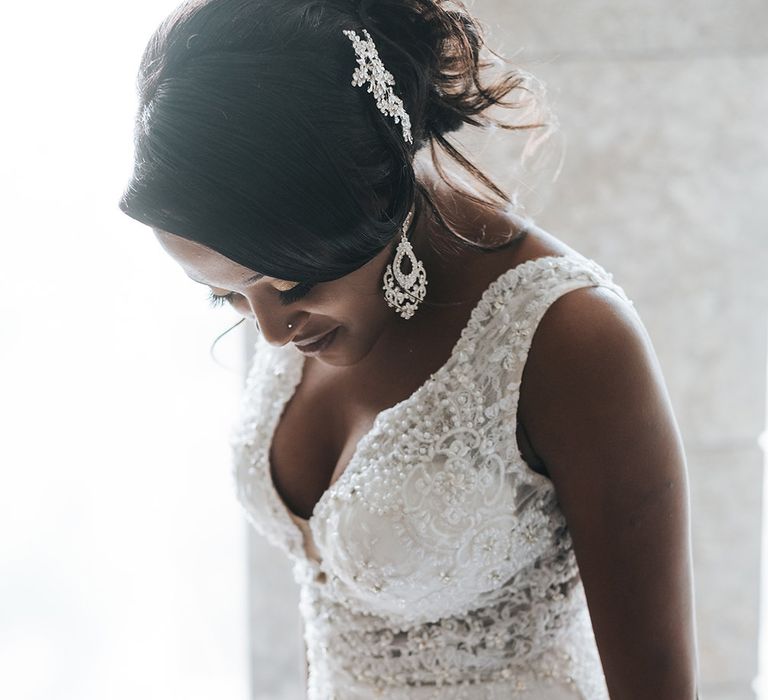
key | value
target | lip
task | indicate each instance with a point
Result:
(304, 342)
(320, 344)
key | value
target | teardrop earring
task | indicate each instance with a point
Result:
(404, 292)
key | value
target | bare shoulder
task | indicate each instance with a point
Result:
(597, 412)
(592, 372)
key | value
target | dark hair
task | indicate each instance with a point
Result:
(251, 140)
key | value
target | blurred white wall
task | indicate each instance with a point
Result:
(122, 548)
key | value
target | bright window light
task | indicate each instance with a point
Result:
(122, 547)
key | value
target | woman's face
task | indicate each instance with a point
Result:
(354, 303)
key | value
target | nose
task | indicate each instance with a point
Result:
(271, 320)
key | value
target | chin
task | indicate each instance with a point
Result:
(344, 353)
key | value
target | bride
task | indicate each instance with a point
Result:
(454, 424)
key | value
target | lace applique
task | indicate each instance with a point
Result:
(447, 568)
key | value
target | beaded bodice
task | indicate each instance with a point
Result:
(446, 569)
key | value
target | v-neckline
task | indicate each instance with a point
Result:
(291, 387)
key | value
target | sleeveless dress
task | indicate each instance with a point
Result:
(439, 564)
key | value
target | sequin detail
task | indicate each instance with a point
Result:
(447, 569)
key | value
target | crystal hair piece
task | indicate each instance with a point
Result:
(371, 70)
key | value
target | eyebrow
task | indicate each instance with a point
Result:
(252, 278)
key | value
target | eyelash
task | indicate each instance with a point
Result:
(219, 300)
(288, 297)
(295, 293)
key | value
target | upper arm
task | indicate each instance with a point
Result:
(596, 410)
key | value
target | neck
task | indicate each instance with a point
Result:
(445, 259)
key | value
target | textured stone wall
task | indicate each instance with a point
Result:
(663, 110)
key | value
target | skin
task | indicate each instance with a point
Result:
(597, 412)
(596, 415)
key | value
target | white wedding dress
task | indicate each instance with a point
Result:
(446, 569)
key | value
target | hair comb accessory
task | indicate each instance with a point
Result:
(371, 70)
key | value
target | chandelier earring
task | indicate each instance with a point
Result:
(405, 291)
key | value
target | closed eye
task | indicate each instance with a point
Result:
(295, 293)
(286, 297)
(216, 300)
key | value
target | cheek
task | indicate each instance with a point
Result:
(369, 314)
